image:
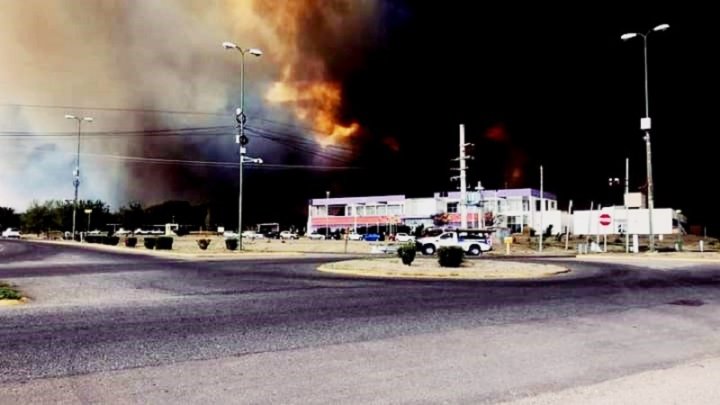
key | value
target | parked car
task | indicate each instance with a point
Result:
(403, 237)
(252, 235)
(230, 234)
(122, 232)
(372, 237)
(355, 236)
(272, 235)
(288, 235)
(11, 233)
(316, 236)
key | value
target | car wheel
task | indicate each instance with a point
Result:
(474, 250)
(428, 250)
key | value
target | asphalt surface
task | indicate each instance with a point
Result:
(95, 311)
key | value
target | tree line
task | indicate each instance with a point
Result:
(56, 215)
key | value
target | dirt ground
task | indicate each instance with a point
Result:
(429, 268)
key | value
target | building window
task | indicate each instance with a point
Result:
(514, 223)
(526, 204)
(537, 205)
(370, 210)
(452, 207)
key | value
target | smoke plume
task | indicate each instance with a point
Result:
(161, 55)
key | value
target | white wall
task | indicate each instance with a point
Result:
(553, 218)
(637, 221)
(421, 207)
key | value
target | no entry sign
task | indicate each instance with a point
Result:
(605, 219)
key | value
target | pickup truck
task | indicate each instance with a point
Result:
(473, 243)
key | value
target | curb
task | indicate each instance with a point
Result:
(648, 257)
(435, 275)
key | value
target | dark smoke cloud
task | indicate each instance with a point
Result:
(156, 54)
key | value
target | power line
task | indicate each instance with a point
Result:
(208, 163)
(117, 109)
(159, 132)
(163, 111)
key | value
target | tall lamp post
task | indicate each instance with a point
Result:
(241, 139)
(645, 125)
(76, 172)
(327, 214)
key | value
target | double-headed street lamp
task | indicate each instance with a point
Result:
(241, 139)
(76, 172)
(645, 125)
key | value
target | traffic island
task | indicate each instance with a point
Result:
(430, 269)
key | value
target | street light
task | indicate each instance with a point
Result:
(76, 172)
(645, 125)
(241, 139)
(327, 214)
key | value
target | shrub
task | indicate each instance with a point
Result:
(164, 243)
(111, 240)
(231, 244)
(203, 243)
(131, 241)
(95, 238)
(450, 256)
(407, 253)
(8, 293)
(150, 242)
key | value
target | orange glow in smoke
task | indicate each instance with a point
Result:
(314, 102)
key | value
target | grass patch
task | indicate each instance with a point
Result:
(8, 293)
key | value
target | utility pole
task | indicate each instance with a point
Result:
(463, 180)
(645, 125)
(76, 172)
(567, 228)
(327, 215)
(542, 208)
(481, 206)
(241, 119)
(625, 201)
(462, 177)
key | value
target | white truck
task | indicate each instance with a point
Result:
(472, 242)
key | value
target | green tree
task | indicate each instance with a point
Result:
(132, 216)
(42, 217)
(8, 218)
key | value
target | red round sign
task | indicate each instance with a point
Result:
(605, 219)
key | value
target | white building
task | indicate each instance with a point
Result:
(515, 209)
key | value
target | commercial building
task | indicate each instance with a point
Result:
(514, 209)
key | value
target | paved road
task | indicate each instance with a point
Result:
(100, 316)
